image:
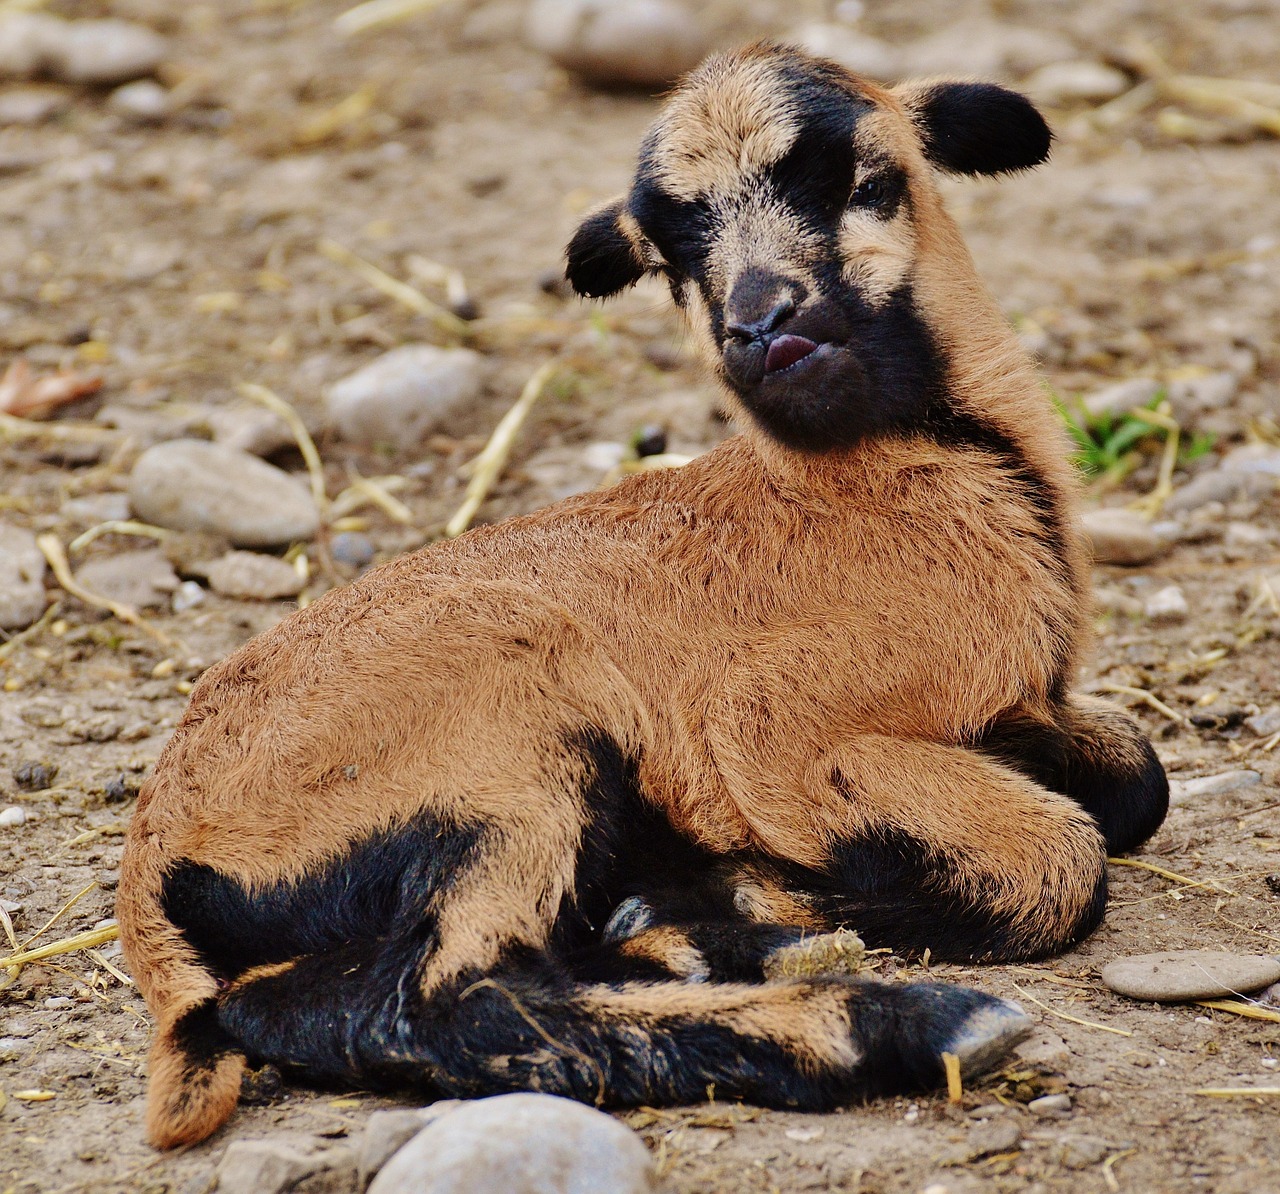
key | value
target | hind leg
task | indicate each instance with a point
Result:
(1097, 755)
(359, 1015)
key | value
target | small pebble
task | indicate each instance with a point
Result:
(604, 456)
(143, 578)
(94, 52)
(187, 596)
(1217, 485)
(35, 777)
(1264, 724)
(57, 1002)
(252, 576)
(352, 548)
(1121, 537)
(618, 43)
(193, 485)
(31, 105)
(995, 1136)
(1079, 1152)
(1181, 975)
(1062, 84)
(13, 815)
(1121, 397)
(1188, 791)
(1053, 1106)
(650, 440)
(1253, 458)
(1191, 396)
(22, 569)
(1166, 606)
(520, 1144)
(273, 1166)
(404, 395)
(143, 101)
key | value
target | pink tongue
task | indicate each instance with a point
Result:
(787, 350)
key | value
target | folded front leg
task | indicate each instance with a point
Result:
(918, 845)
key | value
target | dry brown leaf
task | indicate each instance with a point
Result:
(29, 397)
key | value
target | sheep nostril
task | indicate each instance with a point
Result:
(746, 330)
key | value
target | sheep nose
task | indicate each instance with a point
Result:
(759, 329)
(758, 304)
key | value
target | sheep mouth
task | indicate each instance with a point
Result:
(785, 352)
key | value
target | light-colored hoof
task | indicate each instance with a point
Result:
(838, 952)
(988, 1036)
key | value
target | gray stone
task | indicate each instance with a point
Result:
(187, 596)
(352, 548)
(27, 41)
(252, 429)
(1253, 458)
(1062, 84)
(1121, 397)
(1109, 600)
(1188, 791)
(405, 394)
(143, 101)
(1194, 395)
(22, 569)
(1079, 1152)
(857, 52)
(1053, 1106)
(31, 105)
(143, 578)
(107, 52)
(1180, 975)
(95, 508)
(276, 1166)
(1218, 485)
(1121, 537)
(1264, 724)
(387, 1132)
(631, 43)
(254, 577)
(191, 485)
(1166, 606)
(996, 1136)
(520, 1144)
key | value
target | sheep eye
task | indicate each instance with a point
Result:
(868, 194)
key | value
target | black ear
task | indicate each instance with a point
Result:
(602, 259)
(979, 128)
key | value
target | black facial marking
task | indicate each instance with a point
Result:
(384, 878)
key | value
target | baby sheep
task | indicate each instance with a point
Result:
(552, 806)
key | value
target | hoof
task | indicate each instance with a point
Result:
(839, 952)
(628, 919)
(988, 1034)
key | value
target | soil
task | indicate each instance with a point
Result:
(181, 258)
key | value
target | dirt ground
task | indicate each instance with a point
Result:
(181, 258)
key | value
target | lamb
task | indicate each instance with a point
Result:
(547, 807)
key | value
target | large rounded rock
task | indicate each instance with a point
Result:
(618, 43)
(142, 578)
(404, 394)
(192, 485)
(22, 567)
(520, 1144)
(1184, 974)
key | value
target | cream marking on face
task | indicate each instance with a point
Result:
(877, 254)
(760, 230)
(733, 120)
